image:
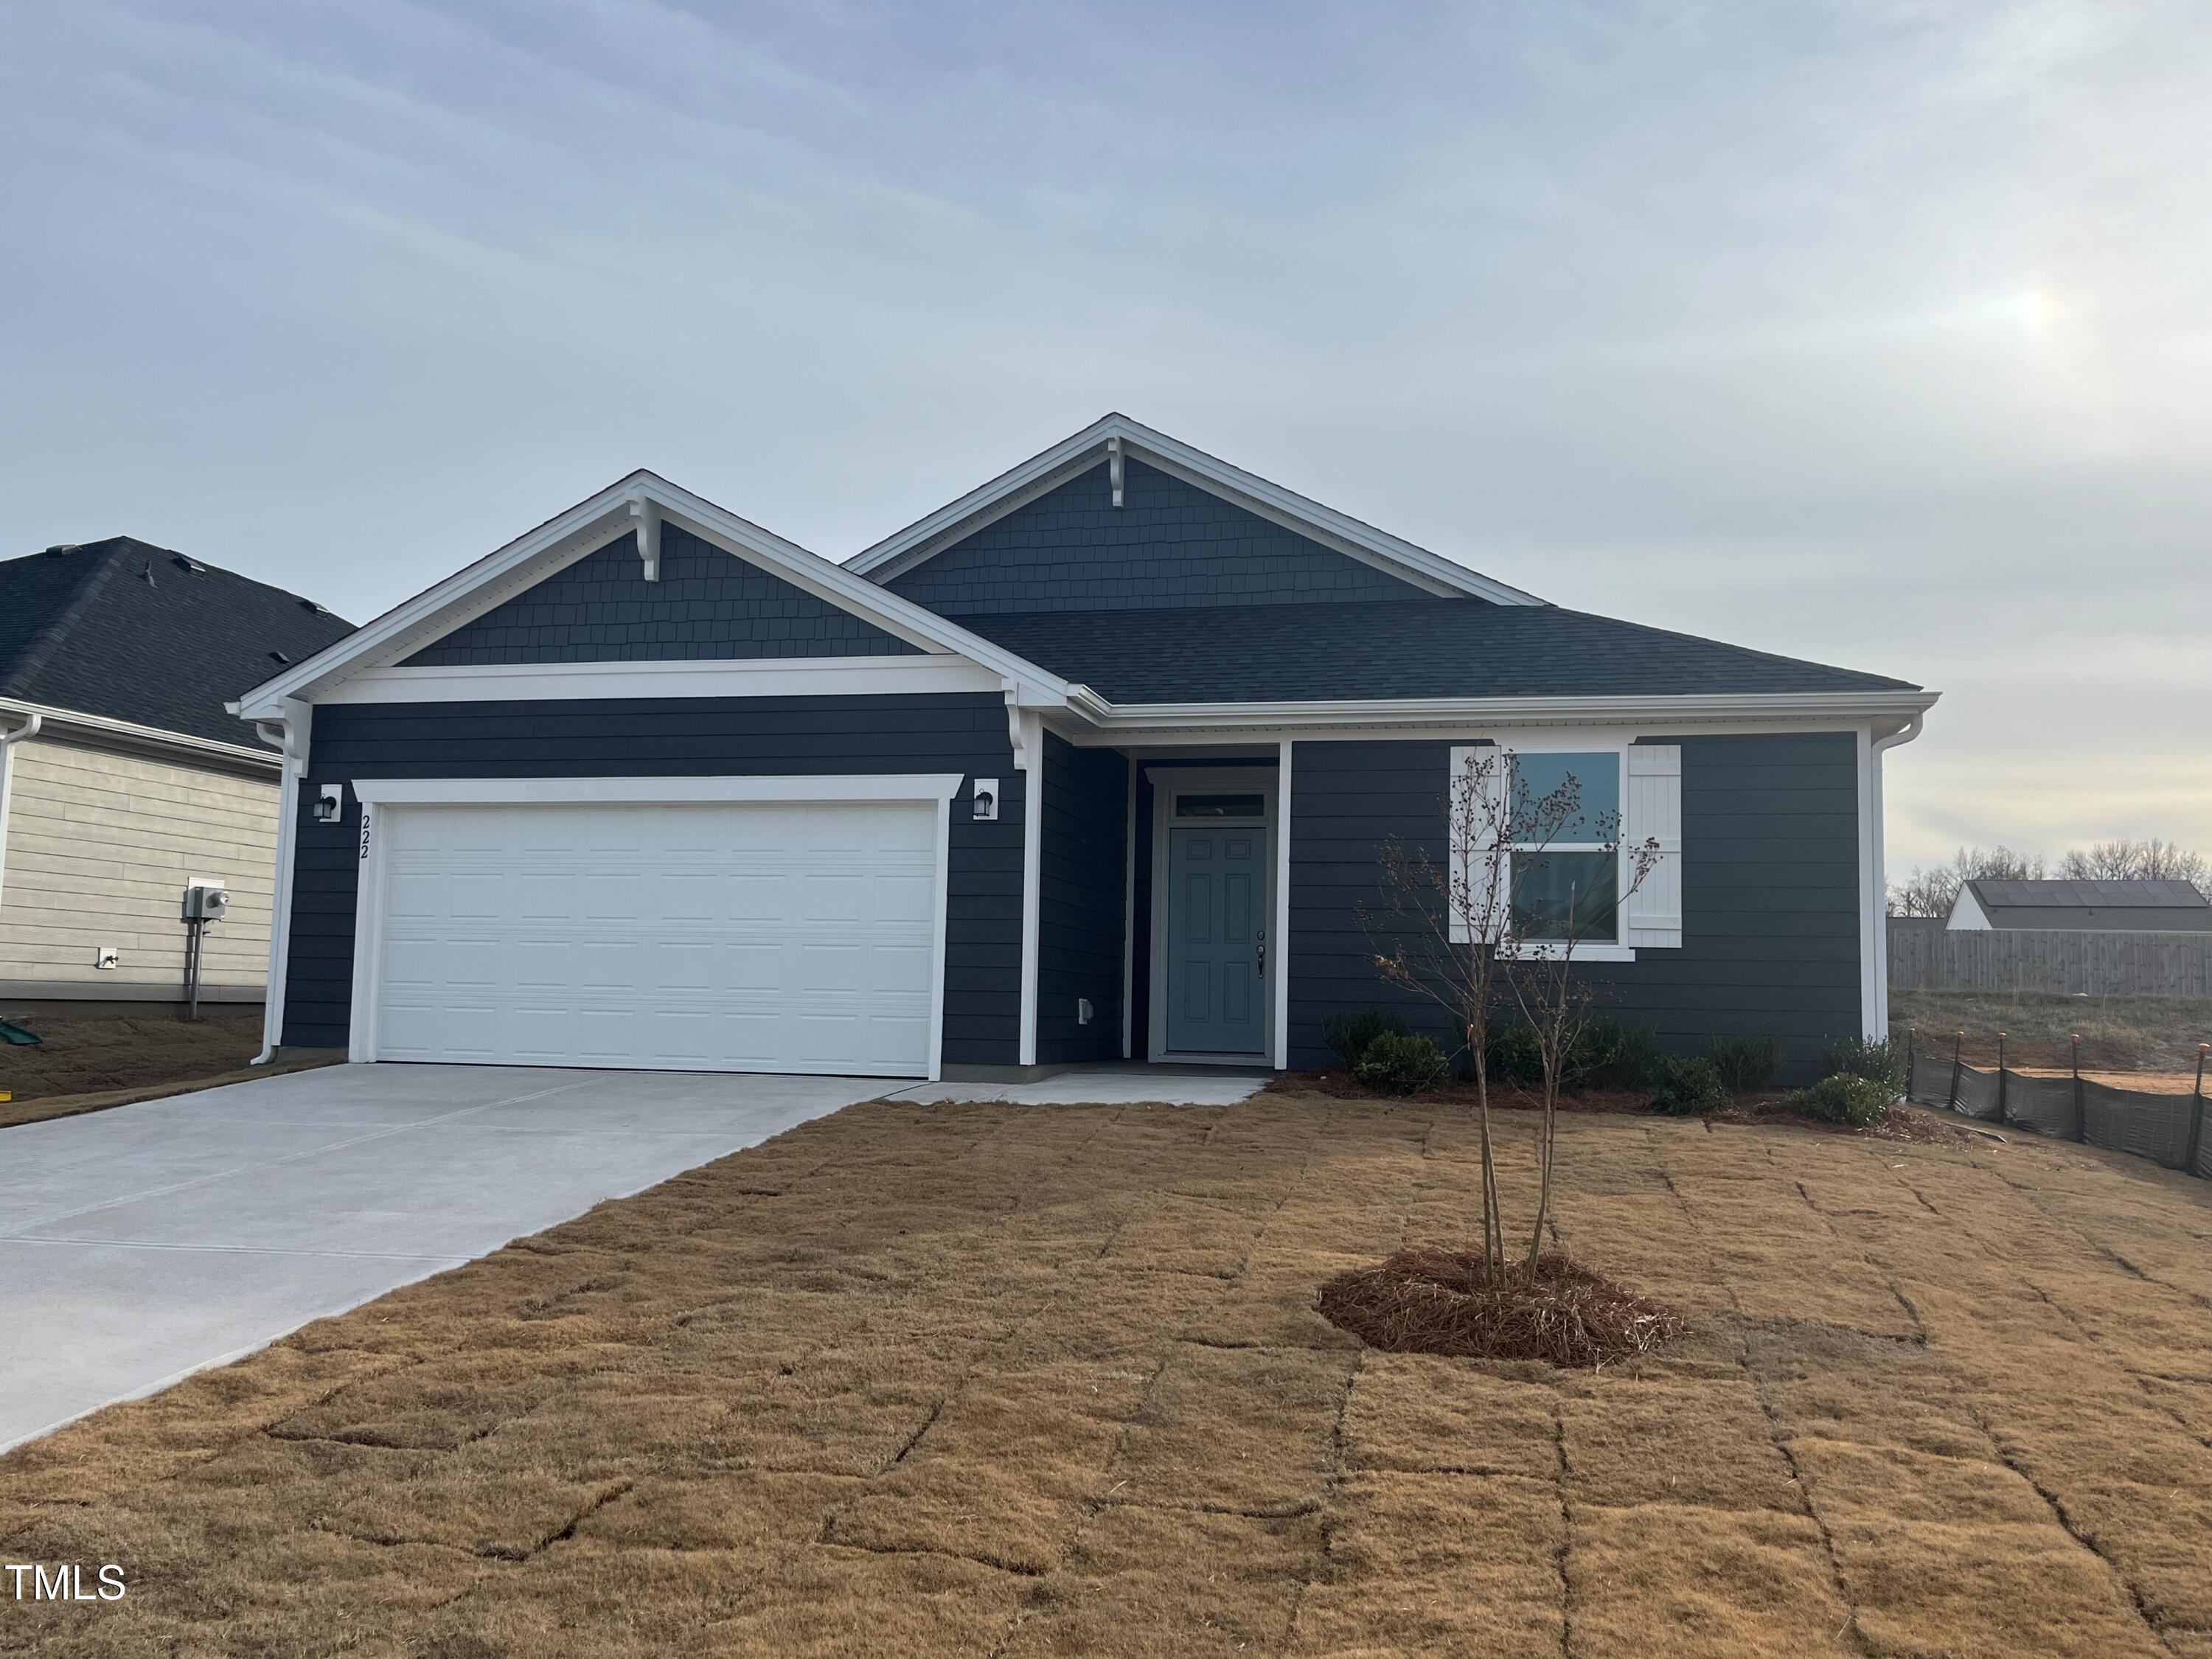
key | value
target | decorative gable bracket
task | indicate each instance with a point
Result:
(646, 512)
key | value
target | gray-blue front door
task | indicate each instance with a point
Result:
(1217, 958)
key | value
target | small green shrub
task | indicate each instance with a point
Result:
(1624, 1055)
(1349, 1034)
(1747, 1064)
(1879, 1060)
(1396, 1064)
(1515, 1056)
(1685, 1087)
(1604, 1054)
(1845, 1097)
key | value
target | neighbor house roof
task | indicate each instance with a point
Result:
(2134, 906)
(131, 632)
(1381, 649)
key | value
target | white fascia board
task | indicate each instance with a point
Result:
(1650, 713)
(66, 722)
(591, 525)
(768, 676)
(1052, 467)
(657, 792)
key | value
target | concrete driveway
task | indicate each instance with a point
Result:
(140, 1244)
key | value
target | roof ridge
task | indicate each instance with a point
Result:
(48, 639)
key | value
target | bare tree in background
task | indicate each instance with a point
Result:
(2137, 861)
(1460, 941)
(1933, 892)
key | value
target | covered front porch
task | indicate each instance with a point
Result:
(1158, 892)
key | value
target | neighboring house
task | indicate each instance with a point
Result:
(123, 776)
(2135, 907)
(1093, 762)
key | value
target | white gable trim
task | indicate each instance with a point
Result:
(1047, 470)
(591, 525)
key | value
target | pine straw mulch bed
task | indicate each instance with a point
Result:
(1904, 1123)
(1342, 1085)
(1430, 1300)
(991, 1379)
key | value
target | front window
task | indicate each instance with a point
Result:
(1566, 866)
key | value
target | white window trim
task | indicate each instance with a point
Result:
(378, 795)
(1168, 781)
(1556, 742)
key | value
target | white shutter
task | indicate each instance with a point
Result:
(1480, 899)
(1654, 812)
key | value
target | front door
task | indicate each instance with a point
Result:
(1217, 940)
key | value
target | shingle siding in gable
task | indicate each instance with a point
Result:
(708, 605)
(1770, 902)
(1170, 545)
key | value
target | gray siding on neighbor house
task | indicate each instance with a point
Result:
(704, 736)
(1770, 902)
(1170, 545)
(1080, 921)
(709, 604)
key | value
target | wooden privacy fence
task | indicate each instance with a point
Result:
(1929, 957)
(2168, 1129)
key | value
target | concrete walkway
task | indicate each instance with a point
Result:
(140, 1244)
(1108, 1085)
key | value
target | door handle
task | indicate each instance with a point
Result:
(1261, 970)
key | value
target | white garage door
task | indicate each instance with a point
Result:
(755, 937)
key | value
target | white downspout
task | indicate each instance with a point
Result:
(1878, 1025)
(290, 735)
(29, 728)
(1028, 760)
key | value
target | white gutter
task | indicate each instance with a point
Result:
(1906, 705)
(62, 721)
(29, 728)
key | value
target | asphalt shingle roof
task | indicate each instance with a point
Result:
(134, 632)
(1439, 648)
(2089, 895)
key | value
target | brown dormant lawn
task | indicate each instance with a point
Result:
(1009, 1380)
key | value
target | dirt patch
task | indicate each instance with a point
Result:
(1904, 1123)
(87, 1064)
(1031, 1380)
(1446, 1301)
(86, 1054)
(2120, 1036)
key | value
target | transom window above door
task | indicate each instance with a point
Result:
(1254, 805)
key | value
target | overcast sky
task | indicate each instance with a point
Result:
(1875, 332)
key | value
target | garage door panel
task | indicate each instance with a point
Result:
(771, 937)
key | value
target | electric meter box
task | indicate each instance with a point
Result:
(203, 903)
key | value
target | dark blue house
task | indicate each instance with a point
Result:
(1091, 764)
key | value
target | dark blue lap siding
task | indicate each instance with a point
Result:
(1080, 921)
(1771, 921)
(677, 737)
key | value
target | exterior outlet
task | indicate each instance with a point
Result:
(1085, 1013)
